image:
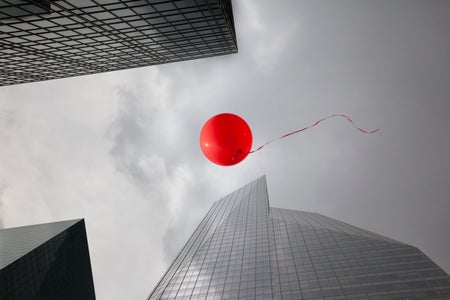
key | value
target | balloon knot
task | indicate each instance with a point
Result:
(239, 152)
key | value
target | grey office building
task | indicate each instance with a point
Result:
(49, 39)
(245, 249)
(46, 261)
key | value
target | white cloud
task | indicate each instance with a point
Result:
(96, 153)
(266, 42)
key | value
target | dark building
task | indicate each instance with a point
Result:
(244, 249)
(46, 261)
(49, 39)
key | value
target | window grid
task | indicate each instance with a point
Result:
(252, 251)
(48, 261)
(87, 37)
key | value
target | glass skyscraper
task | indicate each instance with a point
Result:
(245, 249)
(46, 261)
(49, 39)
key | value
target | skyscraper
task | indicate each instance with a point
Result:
(244, 249)
(46, 261)
(49, 39)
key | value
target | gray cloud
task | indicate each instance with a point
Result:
(132, 150)
(7, 118)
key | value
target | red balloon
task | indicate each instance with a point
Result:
(226, 139)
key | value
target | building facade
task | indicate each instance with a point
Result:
(49, 39)
(245, 249)
(46, 261)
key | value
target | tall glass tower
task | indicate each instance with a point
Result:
(46, 261)
(244, 249)
(49, 39)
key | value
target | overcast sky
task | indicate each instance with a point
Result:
(121, 149)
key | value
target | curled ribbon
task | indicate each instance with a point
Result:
(315, 124)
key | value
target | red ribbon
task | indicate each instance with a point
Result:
(315, 124)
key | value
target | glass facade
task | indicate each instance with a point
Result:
(46, 261)
(244, 249)
(49, 39)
